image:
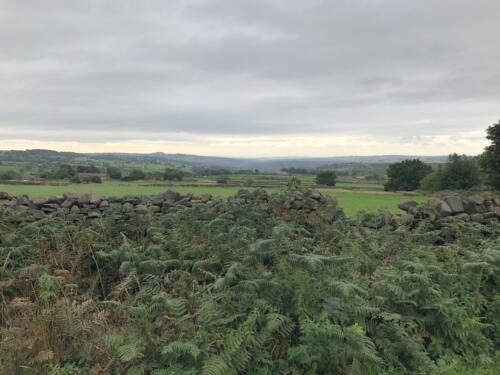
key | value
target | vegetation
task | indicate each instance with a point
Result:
(490, 159)
(406, 175)
(460, 173)
(327, 178)
(114, 173)
(247, 286)
(173, 174)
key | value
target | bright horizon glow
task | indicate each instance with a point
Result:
(470, 143)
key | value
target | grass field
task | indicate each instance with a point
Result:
(350, 201)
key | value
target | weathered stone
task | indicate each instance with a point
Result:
(4, 195)
(8, 202)
(48, 209)
(315, 194)
(496, 210)
(165, 209)
(171, 195)
(205, 198)
(40, 201)
(93, 214)
(132, 200)
(74, 196)
(476, 199)
(407, 205)
(481, 208)
(157, 200)
(141, 208)
(84, 199)
(463, 216)
(56, 199)
(52, 206)
(441, 206)
(478, 218)
(68, 203)
(489, 215)
(95, 198)
(37, 214)
(25, 201)
(455, 203)
(128, 206)
(488, 196)
(155, 209)
(470, 206)
(74, 210)
(104, 204)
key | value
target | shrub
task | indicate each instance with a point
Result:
(114, 173)
(172, 174)
(328, 178)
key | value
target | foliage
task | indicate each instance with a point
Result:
(173, 174)
(244, 285)
(406, 175)
(135, 174)
(490, 159)
(328, 178)
(9, 175)
(114, 173)
(460, 173)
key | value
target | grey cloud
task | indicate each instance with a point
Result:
(247, 67)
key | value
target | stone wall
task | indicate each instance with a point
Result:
(480, 208)
(93, 205)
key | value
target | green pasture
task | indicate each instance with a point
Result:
(350, 201)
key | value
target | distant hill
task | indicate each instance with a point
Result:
(265, 164)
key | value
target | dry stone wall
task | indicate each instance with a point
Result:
(480, 208)
(92, 206)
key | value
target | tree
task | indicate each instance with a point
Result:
(8, 175)
(64, 171)
(114, 172)
(406, 175)
(136, 174)
(172, 174)
(328, 178)
(490, 159)
(461, 172)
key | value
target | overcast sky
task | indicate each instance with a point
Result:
(250, 78)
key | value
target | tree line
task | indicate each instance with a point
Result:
(461, 172)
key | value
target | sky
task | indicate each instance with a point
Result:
(250, 78)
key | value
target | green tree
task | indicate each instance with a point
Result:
(490, 159)
(328, 178)
(172, 174)
(65, 171)
(114, 172)
(406, 175)
(136, 174)
(461, 172)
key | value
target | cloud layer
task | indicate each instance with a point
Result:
(250, 78)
